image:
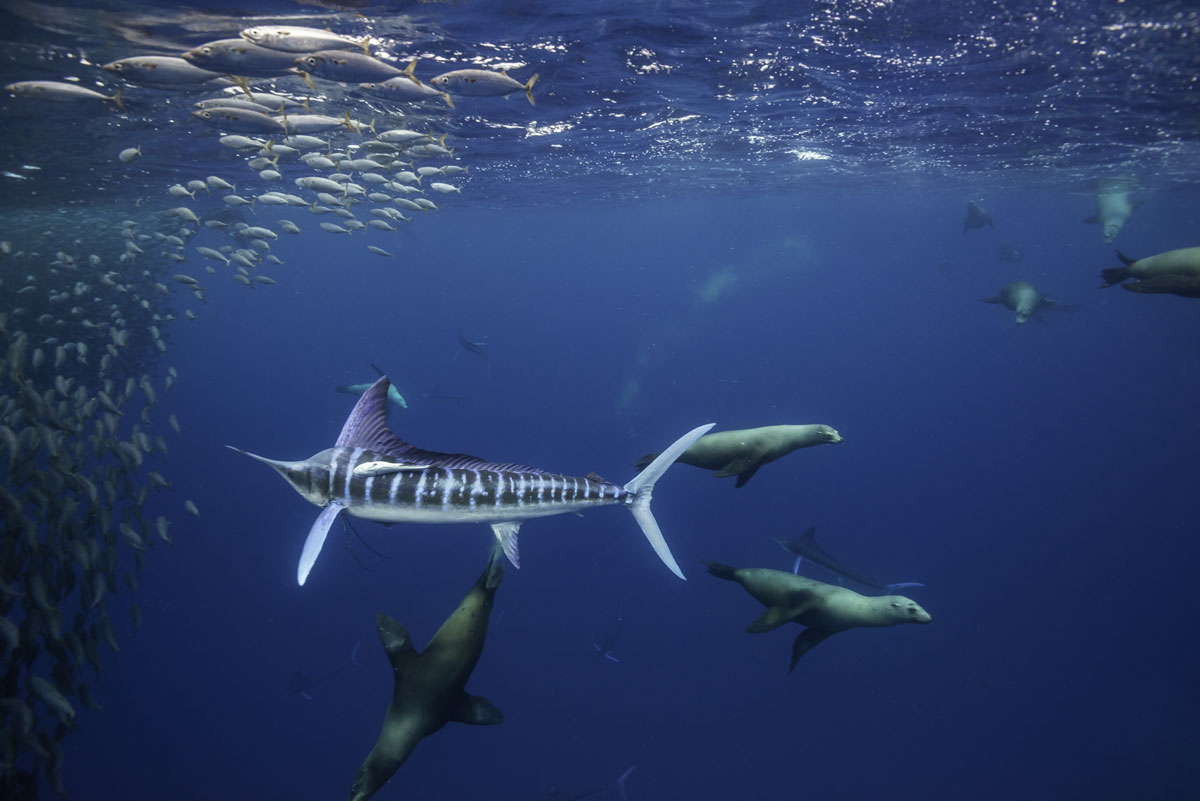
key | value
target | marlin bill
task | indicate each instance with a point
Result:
(373, 474)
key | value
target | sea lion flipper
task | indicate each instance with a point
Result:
(773, 618)
(396, 641)
(805, 642)
(745, 476)
(476, 710)
(738, 466)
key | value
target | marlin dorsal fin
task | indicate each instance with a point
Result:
(367, 427)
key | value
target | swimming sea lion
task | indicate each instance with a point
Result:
(429, 690)
(823, 608)
(1185, 286)
(977, 217)
(1185, 261)
(1113, 210)
(741, 452)
(1021, 298)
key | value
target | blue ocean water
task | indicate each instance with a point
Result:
(748, 215)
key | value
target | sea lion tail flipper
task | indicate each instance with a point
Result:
(722, 571)
(1125, 259)
(641, 487)
(476, 710)
(773, 618)
(805, 642)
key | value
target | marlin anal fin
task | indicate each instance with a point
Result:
(316, 539)
(506, 533)
(384, 468)
(476, 710)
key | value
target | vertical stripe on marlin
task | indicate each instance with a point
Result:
(419, 494)
(476, 488)
(394, 486)
(370, 482)
(522, 490)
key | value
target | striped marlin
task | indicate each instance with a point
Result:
(373, 474)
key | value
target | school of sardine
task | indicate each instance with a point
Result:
(89, 308)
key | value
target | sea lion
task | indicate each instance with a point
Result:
(429, 690)
(741, 452)
(823, 608)
(1185, 261)
(1185, 286)
(1021, 298)
(977, 217)
(1113, 210)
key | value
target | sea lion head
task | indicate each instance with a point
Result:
(1110, 233)
(829, 434)
(906, 610)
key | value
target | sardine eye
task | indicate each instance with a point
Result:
(206, 50)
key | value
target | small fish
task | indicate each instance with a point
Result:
(161, 71)
(240, 57)
(347, 67)
(405, 88)
(129, 154)
(445, 189)
(482, 83)
(239, 120)
(333, 228)
(61, 92)
(380, 251)
(191, 509)
(298, 39)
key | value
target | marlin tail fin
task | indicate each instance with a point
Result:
(642, 487)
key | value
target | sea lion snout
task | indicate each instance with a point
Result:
(916, 613)
(831, 436)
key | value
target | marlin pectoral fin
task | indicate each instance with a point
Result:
(506, 533)
(476, 710)
(611, 658)
(805, 642)
(315, 539)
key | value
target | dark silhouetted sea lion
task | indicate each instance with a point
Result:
(1021, 298)
(741, 452)
(1185, 261)
(1185, 286)
(822, 608)
(429, 690)
(977, 217)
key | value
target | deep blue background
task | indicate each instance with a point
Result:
(1040, 480)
